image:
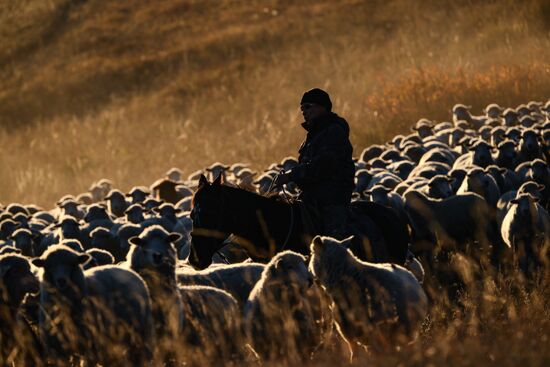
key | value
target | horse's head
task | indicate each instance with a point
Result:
(209, 229)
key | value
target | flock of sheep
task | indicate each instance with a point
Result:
(102, 278)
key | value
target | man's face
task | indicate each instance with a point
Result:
(311, 111)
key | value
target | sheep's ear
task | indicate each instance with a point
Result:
(38, 262)
(203, 180)
(346, 242)
(83, 258)
(278, 264)
(174, 237)
(136, 241)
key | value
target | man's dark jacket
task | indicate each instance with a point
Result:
(325, 171)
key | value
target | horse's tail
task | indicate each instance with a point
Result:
(394, 230)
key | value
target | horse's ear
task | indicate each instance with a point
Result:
(203, 181)
(346, 242)
(317, 242)
(219, 180)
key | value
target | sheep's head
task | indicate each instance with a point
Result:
(327, 252)
(16, 279)
(63, 269)
(291, 269)
(482, 154)
(23, 239)
(440, 186)
(526, 205)
(531, 187)
(154, 250)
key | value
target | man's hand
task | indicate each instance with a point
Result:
(281, 179)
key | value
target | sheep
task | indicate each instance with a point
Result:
(166, 190)
(414, 152)
(151, 203)
(153, 256)
(479, 182)
(493, 110)
(105, 310)
(449, 224)
(423, 128)
(68, 205)
(504, 202)
(429, 170)
(174, 174)
(99, 257)
(479, 155)
(18, 342)
(362, 180)
(529, 146)
(138, 194)
(102, 238)
(402, 168)
(236, 279)
(116, 203)
(526, 229)
(217, 169)
(506, 154)
(371, 152)
(383, 175)
(134, 214)
(498, 135)
(96, 216)
(288, 163)
(279, 321)
(23, 239)
(213, 324)
(439, 187)
(370, 301)
(7, 228)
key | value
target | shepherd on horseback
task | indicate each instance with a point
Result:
(325, 171)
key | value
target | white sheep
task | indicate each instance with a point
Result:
(279, 321)
(371, 301)
(187, 314)
(103, 313)
(526, 229)
(236, 279)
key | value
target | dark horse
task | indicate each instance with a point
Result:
(264, 226)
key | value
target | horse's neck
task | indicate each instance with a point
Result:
(253, 216)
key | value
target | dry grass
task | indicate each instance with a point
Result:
(126, 90)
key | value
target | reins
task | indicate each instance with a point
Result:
(287, 198)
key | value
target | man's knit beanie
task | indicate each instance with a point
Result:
(317, 96)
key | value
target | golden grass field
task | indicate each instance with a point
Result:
(128, 89)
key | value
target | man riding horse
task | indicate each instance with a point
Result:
(325, 171)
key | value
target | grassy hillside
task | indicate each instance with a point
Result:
(126, 90)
